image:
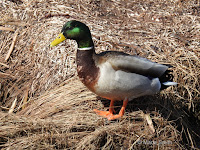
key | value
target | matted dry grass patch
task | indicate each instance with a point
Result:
(53, 110)
(63, 118)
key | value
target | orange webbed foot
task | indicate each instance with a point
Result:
(109, 114)
(105, 114)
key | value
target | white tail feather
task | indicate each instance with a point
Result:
(169, 83)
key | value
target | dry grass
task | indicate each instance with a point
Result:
(44, 107)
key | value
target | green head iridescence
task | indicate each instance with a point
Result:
(78, 31)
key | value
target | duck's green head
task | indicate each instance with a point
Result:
(74, 30)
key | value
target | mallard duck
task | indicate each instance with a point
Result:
(113, 75)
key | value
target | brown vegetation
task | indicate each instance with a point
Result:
(43, 105)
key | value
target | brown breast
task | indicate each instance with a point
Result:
(88, 72)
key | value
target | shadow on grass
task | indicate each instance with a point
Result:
(185, 121)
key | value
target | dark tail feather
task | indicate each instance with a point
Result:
(167, 79)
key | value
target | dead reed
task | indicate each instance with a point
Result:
(42, 104)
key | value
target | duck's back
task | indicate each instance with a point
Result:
(125, 76)
(132, 63)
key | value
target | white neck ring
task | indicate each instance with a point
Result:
(85, 48)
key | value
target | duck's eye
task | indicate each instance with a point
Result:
(69, 28)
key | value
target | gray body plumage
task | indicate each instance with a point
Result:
(125, 76)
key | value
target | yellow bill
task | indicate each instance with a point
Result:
(58, 40)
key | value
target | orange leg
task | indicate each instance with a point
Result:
(109, 114)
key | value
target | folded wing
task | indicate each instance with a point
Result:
(135, 64)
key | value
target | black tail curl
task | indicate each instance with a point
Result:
(167, 76)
